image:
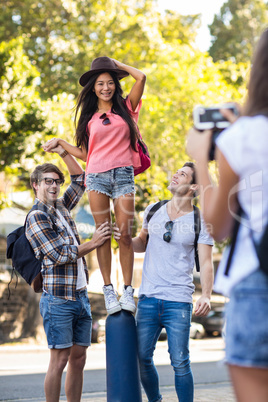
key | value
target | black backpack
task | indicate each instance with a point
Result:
(23, 258)
(197, 227)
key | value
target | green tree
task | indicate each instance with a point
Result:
(237, 28)
(23, 117)
(61, 37)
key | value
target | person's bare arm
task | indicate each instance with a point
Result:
(202, 306)
(72, 165)
(218, 203)
(101, 234)
(138, 87)
(80, 153)
(140, 242)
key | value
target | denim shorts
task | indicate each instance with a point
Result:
(247, 324)
(66, 322)
(114, 183)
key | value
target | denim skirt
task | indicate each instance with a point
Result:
(247, 323)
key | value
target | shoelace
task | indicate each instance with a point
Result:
(128, 295)
(111, 295)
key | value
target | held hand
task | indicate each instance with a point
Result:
(49, 145)
(58, 149)
(198, 144)
(116, 232)
(102, 234)
(202, 307)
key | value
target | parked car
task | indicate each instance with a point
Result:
(213, 323)
(197, 331)
(98, 329)
(163, 335)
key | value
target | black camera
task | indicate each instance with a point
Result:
(210, 118)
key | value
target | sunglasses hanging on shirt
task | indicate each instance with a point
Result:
(105, 119)
(167, 236)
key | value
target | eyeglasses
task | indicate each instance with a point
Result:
(167, 236)
(50, 181)
(105, 119)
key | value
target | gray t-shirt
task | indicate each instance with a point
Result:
(168, 267)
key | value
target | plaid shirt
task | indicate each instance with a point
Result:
(59, 265)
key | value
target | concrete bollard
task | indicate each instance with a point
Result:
(122, 371)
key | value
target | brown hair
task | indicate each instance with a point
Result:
(192, 166)
(257, 100)
(37, 174)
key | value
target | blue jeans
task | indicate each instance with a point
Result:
(152, 315)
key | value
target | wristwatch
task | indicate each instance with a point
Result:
(64, 154)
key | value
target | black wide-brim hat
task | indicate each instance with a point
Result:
(102, 65)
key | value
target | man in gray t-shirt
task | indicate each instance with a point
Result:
(165, 295)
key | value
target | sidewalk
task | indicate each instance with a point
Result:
(217, 392)
(221, 392)
(27, 365)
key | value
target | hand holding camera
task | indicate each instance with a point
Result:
(215, 118)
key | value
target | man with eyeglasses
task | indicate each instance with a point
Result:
(165, 294)
(64, 304)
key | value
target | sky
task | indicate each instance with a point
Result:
(207, 9)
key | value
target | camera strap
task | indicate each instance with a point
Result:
(236, 226)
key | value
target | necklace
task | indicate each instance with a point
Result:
(173, 213)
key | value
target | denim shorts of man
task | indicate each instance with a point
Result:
(64, 304)
(165, 294)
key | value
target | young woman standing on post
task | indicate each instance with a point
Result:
(106, 137)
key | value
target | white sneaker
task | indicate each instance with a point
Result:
(111, 303)
(127, 300)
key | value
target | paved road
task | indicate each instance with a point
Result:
(29, 387)
(23, 368)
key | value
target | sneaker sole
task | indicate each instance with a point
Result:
(114, 310)
(127, 307)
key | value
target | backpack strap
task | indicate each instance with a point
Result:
(152, 211)
(35, 208)
(13, 272)
(197, 228)
(233, 240)
(155, 208)
(260, 247)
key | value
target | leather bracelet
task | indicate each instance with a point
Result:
(64, 154)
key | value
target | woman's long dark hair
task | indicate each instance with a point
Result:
(87, 102)
(257, 100)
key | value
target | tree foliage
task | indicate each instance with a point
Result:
(55, 43)
(61, 37)
(23, 116)
(237, 28)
